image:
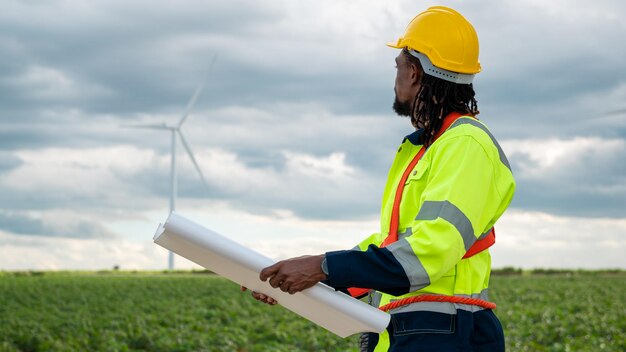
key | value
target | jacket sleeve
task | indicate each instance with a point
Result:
(374, 239)
(451, 215)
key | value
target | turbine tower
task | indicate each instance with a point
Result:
(176, 132)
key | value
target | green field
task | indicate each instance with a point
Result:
(199, 312)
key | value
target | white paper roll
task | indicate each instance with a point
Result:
(321, 304)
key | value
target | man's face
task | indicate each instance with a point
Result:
(406, 86)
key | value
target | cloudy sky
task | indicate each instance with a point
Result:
(294, 130)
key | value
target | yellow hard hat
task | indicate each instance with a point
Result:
(446, 38)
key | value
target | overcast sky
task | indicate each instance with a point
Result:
(294, 130)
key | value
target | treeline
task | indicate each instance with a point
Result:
(103, 272)
(505, 271)
(509, 270)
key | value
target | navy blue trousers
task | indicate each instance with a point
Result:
(430, 331)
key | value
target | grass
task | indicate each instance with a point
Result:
(121, 311)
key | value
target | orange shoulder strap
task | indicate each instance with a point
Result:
(392, 236)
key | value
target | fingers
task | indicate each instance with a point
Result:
(276, 278)
(269, 272)
(260, 297)
(294, 289)
(264, 298)
(277, 281)
(291, 287)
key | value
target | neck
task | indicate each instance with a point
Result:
(445, 124)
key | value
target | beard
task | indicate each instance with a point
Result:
(405, 109)
(402, 109)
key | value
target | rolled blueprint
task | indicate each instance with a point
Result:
(321, 304)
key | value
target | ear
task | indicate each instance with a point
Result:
(415, 74)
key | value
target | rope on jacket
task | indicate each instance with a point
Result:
(438, 298)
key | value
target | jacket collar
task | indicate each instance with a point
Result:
(415, 138)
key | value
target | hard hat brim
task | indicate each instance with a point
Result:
(395, 45)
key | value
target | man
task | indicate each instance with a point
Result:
(448, 185)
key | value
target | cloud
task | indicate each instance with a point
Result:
(260, 150)
(18, 252)
(45, 83)
(582, 176)
(540, 59)
(78, 174)
(531, 239)
(121, 177)
(555, 155)
(309, 185)
(295, 117)
(332, 167)
(131, 178)
(52, 224)
(8, 161)
(524, 239)
(279, 235)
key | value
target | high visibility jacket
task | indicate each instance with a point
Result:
(452, 197)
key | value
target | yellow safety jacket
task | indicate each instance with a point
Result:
(452, 197)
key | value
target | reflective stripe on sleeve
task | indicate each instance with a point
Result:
(432, 210)
(408, 232)
(485, 234)
(413, 268)
(375, 299)
(475, 123)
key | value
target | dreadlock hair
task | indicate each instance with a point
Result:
(436, 99)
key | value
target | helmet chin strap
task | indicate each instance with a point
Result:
(432, 70)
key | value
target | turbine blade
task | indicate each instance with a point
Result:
(193, 159)
(161, 126)
(195, 95)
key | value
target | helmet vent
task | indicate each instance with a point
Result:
(432, 70)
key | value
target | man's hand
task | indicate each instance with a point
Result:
(295, 274)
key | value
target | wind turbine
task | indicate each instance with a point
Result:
(176, 131)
